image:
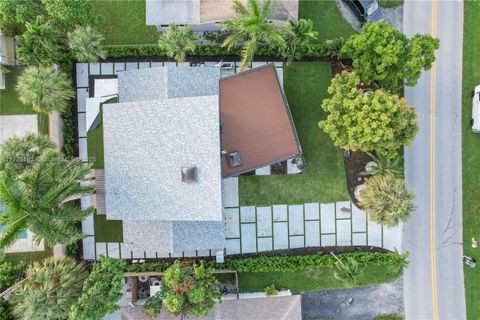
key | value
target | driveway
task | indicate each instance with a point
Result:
(361, 303)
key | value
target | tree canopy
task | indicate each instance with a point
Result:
(386, 200)
(367, 120)
(384, 56)
(19, 154)
(40, 199)
(50, 289)
(45, 88)
(178, 41)
(86, 44)
(187, 291)
(250, 28)
(101, 291)
(299, 36)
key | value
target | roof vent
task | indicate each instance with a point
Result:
(189, 174)
(233, 159)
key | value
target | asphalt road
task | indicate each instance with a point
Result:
(433, 282)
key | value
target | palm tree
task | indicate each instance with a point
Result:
(40, 200)
(386, 200)
(19, 154)
(40, 44)
(86, 43)
(45, 88)
(178, 41)
(251, 28)
(383, 165)
(299, 36)
(50, 289)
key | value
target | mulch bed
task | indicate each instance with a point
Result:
(279, 168)
(340, 65)
(354, 165)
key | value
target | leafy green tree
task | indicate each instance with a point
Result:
(386, 200)
(51, 288)
(11, 274)
(250, 28)
(384, 56)
(19, 154)
(101, 291)
(298, 36)
(41, 43)
(185, 291)
(40, 200)
(14, 14)
(68, 14)
(86, 44)
(45, 88)
(346, 271)
(178, 41)
(366, 121)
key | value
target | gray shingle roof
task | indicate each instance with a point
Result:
(146, 144)
(167, 82)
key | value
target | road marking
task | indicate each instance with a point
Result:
(432, 174)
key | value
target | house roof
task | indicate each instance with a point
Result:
(163, 12)
(256, 120)
(146, 143)
(173, 236)
(167, 82)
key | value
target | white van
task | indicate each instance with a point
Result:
(475, 122)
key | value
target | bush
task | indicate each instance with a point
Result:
(390, 316)
(101, 291)
(11, 274)
(271, 290)
(5, 310)
(153, 305)
(284, 263)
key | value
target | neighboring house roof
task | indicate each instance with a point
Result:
(146, 143)
(162, 12)
(272, 308)
(256, 120)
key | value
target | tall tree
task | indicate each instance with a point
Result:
(250, 28)
(367, 120)
(178, 41)
(41, 43)
(384, 56)
(50, 289)
(386, 200)
(41, 200)
(68, 14)
(101, 291)
(45, 88)
(86, 44)
(299, 36)
(19, 154)
(15, 14)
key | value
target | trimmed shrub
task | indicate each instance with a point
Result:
(10, 274)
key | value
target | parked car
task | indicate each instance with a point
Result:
(475, 122)
(366, 10)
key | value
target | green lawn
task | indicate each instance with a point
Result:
(390, 3)
(321, 279)
(471, 155)
(123, 22)
(326, 18)
(95, 146)
(28, 257)
(324, 180)
(10, 105)
(107, 230)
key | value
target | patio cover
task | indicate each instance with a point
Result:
(256, 120)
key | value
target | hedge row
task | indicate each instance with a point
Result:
(319, 50)
(285, 263)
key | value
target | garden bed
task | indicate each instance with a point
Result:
(354, 166)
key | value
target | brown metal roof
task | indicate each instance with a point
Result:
(256, 120)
